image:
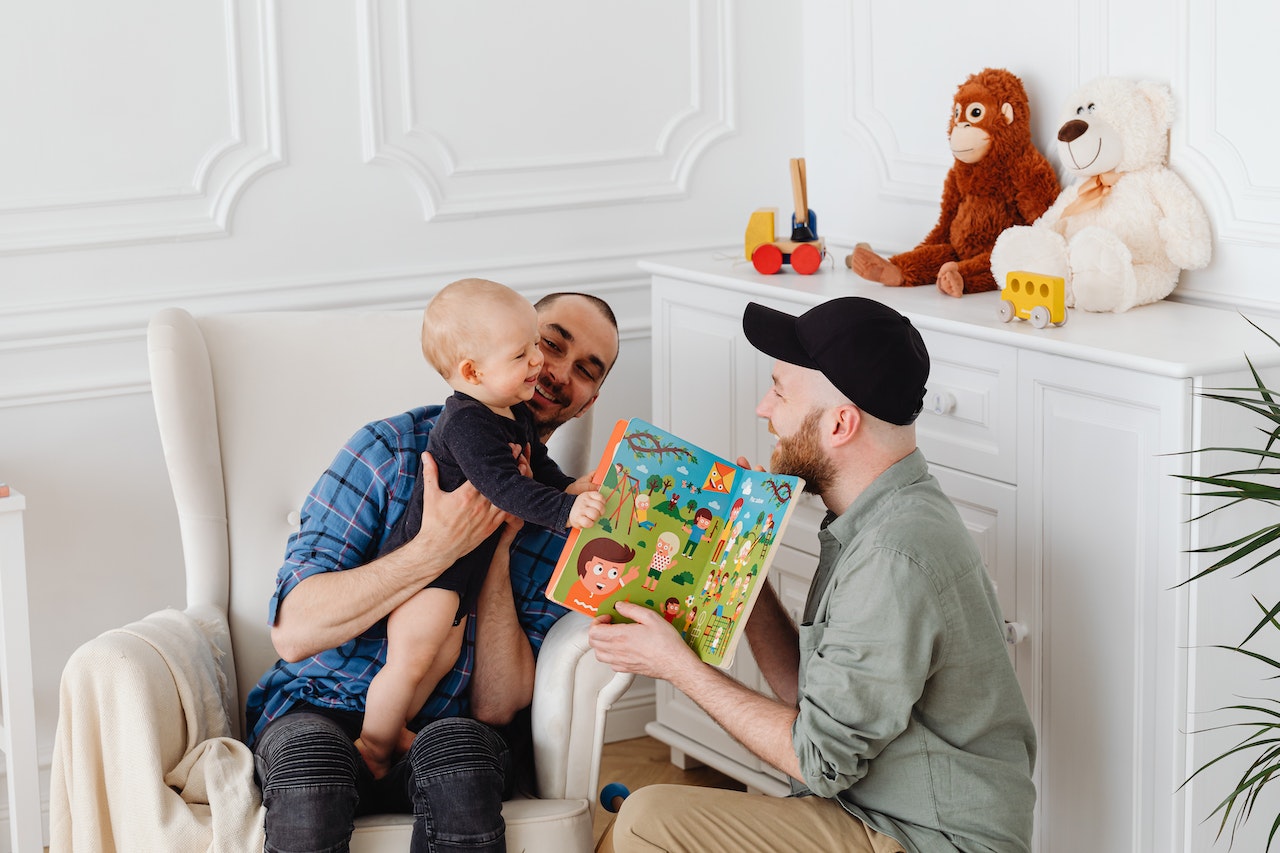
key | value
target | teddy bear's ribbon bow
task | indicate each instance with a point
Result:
(1091, 193)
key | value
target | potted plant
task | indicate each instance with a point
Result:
(1255, 481)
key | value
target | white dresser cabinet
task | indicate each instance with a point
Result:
(1057, 445)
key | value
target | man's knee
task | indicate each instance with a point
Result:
(459, 776)
(303, 749)
(306, 766)
(643, 811)
(457, 745)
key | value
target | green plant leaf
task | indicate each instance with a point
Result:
(1260, 482)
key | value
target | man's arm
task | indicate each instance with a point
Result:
(775, 645)
(652, 647)
(502, 682)
(328, 609)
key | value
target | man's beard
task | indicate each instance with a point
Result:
(554, 421)
(801, 455)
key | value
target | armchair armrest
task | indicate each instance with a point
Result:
(572, 691)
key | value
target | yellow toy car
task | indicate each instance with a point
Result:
(1035, 297)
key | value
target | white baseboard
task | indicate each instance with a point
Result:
(630, 714)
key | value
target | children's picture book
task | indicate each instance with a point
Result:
(684, 532)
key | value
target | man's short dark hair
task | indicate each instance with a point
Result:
(600, 304)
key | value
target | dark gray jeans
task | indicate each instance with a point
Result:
(314, 784)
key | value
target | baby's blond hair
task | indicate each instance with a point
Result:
(456, 322)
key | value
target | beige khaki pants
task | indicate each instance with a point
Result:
(704, 820)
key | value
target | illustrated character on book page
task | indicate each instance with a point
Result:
(663, 559)
(767, 536)
(671, 609)
(731, 543)
(724, 534)
(701, 521)
(602, 571)
(642, 511)
(688, 621)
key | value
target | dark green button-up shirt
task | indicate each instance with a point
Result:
(910, 714)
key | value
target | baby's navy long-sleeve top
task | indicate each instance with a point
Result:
(471, 443)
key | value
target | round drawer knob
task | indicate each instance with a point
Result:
(293, 518)
(1015, 632)
(942, 403)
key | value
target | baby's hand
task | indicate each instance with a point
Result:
(581, 486)
(521, 454)
(587, 508)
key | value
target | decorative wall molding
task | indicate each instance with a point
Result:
(901, 177)
(918, 179)
(141, 214)
(1243, 207)
(66, 352)
(451, 184)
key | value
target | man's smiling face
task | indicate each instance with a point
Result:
(580, 346)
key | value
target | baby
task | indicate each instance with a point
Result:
(482, 338)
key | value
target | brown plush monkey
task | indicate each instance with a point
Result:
(999, 180)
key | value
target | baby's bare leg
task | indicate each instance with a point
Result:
(446, 657)
(417, 631)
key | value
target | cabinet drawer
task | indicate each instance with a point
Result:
(970, 406)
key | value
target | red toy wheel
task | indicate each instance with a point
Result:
(805, 259)
(767, 259)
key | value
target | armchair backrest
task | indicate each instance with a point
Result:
(251, 408)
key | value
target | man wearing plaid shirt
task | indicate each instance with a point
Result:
(328, 617)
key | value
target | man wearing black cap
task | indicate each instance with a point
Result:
(897, 717)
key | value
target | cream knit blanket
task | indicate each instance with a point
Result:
(143, 757)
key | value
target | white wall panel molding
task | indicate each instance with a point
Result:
(95, 348)
(876, 33)
(142, 193)
(585, 120)
(904, 177)
(1223, 140)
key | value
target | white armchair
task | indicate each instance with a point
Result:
(251, 408)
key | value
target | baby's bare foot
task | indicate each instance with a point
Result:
(379, 765)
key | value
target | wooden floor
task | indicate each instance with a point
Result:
(645, 761)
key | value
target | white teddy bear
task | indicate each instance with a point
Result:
(1120, 234)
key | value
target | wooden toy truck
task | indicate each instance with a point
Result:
(804, 251)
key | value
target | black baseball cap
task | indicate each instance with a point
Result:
(871, 353)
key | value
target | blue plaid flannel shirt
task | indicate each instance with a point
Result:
(345, 518)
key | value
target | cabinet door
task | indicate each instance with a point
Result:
(704, 377)
(681, 714)
(989, 511)
(1099, 527)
